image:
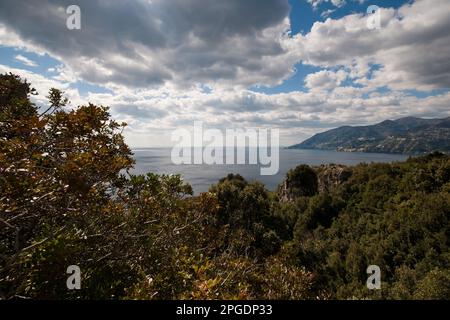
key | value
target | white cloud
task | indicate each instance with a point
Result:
(39, 82)
(25, 61)
(157, 84)
(164, 45)
(336, 3)
(325, 79)
(412, 47)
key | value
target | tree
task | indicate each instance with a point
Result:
(302, 181)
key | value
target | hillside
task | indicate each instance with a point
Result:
(406, 135)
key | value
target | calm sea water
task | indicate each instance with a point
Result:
(201, 177)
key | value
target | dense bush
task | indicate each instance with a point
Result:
(395, 216)
(66, 198)
(302, 181)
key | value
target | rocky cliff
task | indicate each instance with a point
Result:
(321, 179)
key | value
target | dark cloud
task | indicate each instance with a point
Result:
(140, 112)
(142, 43)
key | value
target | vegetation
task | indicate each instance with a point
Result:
(406, 135)
(66, 198)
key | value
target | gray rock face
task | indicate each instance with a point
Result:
(284, 193)
(329, 177)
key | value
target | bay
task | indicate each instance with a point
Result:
(202, 176)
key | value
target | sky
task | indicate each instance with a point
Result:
(300, 66)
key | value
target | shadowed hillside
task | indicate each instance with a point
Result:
(406, 135)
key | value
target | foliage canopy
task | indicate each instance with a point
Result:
(66, 198)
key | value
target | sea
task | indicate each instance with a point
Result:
(202, 176)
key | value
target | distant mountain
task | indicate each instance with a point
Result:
(406, 135)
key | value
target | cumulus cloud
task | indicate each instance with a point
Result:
(169, 63)
(412, 47)
(325, 79)
(41, 83)
(297, 114)
(25, 61)
(185, 43)
(149, 43)
(336, 3)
